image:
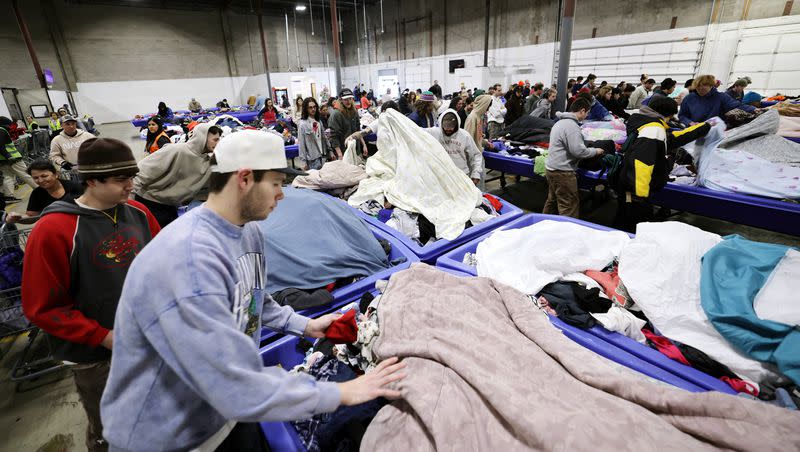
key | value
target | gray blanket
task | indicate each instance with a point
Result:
(488, 371)
(759, 138)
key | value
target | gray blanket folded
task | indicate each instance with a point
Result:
(488, 371)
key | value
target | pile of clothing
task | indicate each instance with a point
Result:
(613, 130)
(319, 244)
(417, 227)
(413, 172)
(337, 178)
(652, 283)
(529, 130)
(526, 386)
(342, 355)
(750, 159)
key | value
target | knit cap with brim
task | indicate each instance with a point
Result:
(428, 96)
(105, 157)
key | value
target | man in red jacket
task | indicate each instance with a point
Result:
(76, 260)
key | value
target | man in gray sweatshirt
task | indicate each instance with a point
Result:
(566, 148)
(186, 373)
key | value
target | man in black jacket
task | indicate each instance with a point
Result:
(647, 163)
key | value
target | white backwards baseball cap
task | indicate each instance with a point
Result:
(252, 149)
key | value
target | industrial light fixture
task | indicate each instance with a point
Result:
(300, 7)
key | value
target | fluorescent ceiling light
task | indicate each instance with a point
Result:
(300, 7)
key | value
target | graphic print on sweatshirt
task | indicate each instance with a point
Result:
(118, 248)
(247, 298)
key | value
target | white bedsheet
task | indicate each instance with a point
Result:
(661, 270)
(532, 257)
(413, 172)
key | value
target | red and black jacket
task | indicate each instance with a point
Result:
(76, 260)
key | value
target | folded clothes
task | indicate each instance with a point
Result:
(314, 239)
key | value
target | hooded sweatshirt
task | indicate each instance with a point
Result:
(566, 144)
(194, 106)
(177, 172)
(474, 124)
(460, 147)
(64, 148)
(75, 263)
(186, 359)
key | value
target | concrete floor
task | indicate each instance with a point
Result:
(46, 415)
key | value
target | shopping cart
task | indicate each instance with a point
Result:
(36, 359)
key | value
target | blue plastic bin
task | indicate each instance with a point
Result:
(612, 345)
(352, 292)
(431, 251)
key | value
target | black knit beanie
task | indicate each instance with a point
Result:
(5, 121)
(105, 157)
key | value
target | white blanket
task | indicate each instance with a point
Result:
(528, 259)
(661, 270)
(413, 172)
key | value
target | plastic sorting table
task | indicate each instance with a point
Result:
(431, 251)
(612, 345)
(353, 292)
(242, 115)
(520, 166)
(771, 214)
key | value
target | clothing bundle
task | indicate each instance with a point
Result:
(343, 354)
(529, 129)
(527, 386)
(315, 241)
(729, 162)
(337, 178)
(417, 227)
(412, 171)
(588, 277)
(613, 130)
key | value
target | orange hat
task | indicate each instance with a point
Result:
(521, 83)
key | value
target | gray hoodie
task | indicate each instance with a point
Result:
(186, 359)
(177, 172)
(460, 147)
(566, 144)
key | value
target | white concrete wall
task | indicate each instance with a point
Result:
(766, 49)
(121, 101)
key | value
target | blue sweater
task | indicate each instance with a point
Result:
(423, 121)
(696, 108)
(185, 361)
(598, 112)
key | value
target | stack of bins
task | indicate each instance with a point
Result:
(612, 345)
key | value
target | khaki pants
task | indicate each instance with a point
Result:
(562, 194)
(90, 379)
(10, 171)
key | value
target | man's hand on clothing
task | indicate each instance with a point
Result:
(338, 153)
(365, 151)
(108, 341)
(374, 384)
(316, 327)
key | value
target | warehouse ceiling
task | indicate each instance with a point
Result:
(237, 6)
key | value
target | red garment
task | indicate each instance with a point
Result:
(665, 346)
(612, 286)
(270, 117)
(344, 329)
(364, 102)
(740, 386)
(496, 203)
